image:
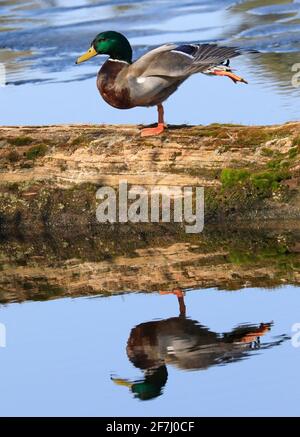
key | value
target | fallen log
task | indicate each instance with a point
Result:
(49, 175)
(130, 258)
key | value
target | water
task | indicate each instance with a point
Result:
(78, 343)
(87, 330)
(61, 355)
(40, 40)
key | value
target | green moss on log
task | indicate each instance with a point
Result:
(231, 177)
(36, 151)
(20, 141)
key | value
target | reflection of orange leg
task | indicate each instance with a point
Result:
(180, 296)
(160, 125)
(229, 74)
(256, 333)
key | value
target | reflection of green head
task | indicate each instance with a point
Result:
(150, 387)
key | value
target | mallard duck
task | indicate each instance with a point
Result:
(186, 344)
(152, 78)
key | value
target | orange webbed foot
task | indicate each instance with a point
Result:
(152, 131)
(177, 292)
(180, 296)
(228, 73)
(256, 333)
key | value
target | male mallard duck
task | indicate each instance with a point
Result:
(151, 79)
(186, 344)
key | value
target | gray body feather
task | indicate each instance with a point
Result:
(152, 78)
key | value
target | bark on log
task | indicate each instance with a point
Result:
(249, 173)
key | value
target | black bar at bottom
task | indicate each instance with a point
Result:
(150, 425)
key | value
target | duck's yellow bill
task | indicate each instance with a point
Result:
(123, 382)
(88, 55)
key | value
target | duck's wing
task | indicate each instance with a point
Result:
(180, 61)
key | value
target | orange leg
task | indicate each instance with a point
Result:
(160, 125)
(257, 333)
(180, 296)
(229, 74)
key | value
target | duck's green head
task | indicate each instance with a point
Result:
(109, 43)
(150, 387)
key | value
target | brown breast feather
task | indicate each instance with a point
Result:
(111, 89)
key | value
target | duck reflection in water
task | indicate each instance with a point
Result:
(184, 343)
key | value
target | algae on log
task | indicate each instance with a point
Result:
(49, 175)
